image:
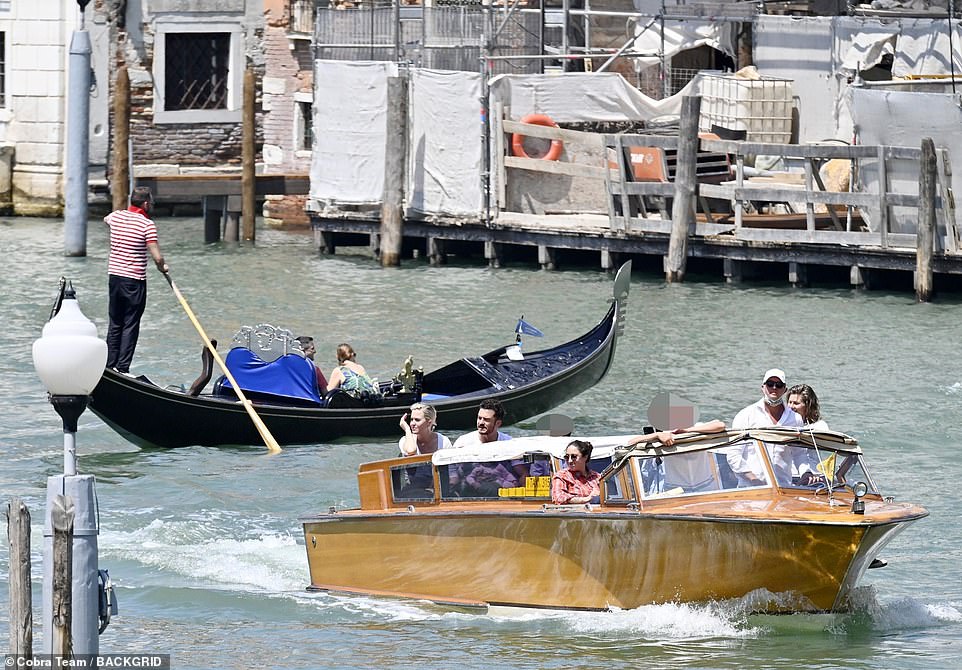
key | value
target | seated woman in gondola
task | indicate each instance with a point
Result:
(349, 375)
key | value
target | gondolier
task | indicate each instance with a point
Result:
(132, 237)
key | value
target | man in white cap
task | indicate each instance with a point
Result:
(771, 410)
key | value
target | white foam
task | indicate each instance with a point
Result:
(264, 561)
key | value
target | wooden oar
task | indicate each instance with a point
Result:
(269, 440)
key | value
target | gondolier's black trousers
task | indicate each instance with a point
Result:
(128, 298)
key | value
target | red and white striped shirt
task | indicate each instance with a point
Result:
(130, 233)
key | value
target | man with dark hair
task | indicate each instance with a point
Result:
(132, 237)
(490, 418)
(307, 346)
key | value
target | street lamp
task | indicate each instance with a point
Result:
(69, 359)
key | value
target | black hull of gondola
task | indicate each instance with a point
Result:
(148, 415)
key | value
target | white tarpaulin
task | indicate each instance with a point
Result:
(868, 47)
(350, 126)
(892, 118)
(923, 47)
(821, 54)
(578, 96)
(444, 143)
(680, 36)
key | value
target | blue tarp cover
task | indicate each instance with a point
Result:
(290, 376)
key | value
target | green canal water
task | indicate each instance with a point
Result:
(204, 545)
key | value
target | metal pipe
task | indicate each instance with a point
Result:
(78, 152)
(85, 621)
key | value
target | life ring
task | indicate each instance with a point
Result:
(517, 148)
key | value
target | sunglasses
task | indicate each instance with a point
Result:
(572, 457)
(775, 384)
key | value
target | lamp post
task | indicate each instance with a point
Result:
(69, 359)
(78, 140)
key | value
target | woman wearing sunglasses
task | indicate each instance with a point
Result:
(576, 484)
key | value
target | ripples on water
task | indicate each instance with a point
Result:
(204, 544)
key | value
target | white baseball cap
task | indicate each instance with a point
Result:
(774, 372)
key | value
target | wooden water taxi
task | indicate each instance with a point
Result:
(672, 525)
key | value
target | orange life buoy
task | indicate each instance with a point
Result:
(517, 148)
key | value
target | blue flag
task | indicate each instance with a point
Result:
(525, 328)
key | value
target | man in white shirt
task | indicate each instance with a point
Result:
(490, 418)
(771, 410)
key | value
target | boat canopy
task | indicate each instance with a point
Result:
(604, 447)
(615, 445)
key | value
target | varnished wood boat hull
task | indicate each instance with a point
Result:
(594, 560)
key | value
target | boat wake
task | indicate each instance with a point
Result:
(199, 553)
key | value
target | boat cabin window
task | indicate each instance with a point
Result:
(615, 486)
(411, 483)
(528, 477)
(706, 471)
(802, 466)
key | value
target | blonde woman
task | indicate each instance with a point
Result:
(420, 431)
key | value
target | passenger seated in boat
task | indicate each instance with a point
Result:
(420, 431)
(539, 467)
(576, 483)
(307, 346)
(771, 410)
(692, 473)
(420, 437)
(800, 465)
(490, 417)
(349, 375)
(484, 480)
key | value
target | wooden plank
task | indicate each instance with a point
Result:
(21, 607)
(808, 236)
(555, 167)
(947, 210)
(738, 147)
(499, 154)
(550, 133)
(197, 186)
(883, 187)
(651, 188)
(663, 226)
(660, 141)
(809, 205)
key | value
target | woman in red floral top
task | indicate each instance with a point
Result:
(576, 484)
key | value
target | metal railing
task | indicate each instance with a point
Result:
(300, 17)
(445, 38)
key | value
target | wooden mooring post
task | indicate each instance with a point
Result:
(686, 187)
(21, 608)
(392, 204)
(120, 179)
(62, 518)
(248, 158)
(926, 221)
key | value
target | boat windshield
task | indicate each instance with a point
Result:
(798, 465)
(707, 471)
(528, 477)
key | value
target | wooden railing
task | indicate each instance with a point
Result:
(628, 211)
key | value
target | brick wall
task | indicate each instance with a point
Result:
(288, 70)
(208, 145)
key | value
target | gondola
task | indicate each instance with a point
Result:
(149, 415)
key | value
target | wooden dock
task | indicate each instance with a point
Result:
(826, 239)
(221, 195)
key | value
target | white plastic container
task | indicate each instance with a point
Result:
(761, 107)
